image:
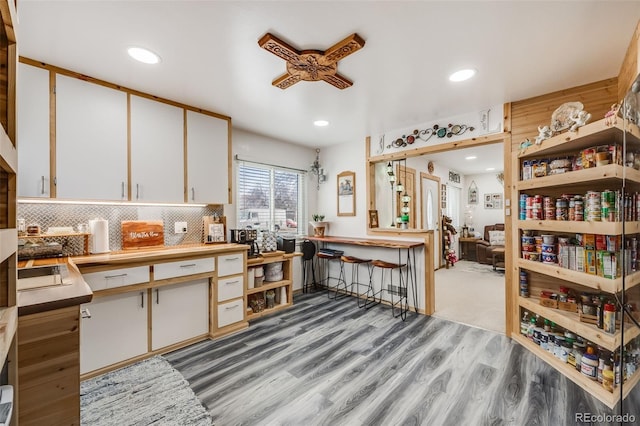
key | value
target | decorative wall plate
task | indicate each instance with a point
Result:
(561, 117)
(430, 167)
(425, 135)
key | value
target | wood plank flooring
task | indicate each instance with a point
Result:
(326, 362)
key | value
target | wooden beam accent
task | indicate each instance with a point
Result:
(52, 135)
(630, 67)
(511, 242)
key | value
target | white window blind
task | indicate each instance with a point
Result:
(453, 204)
(270, 197)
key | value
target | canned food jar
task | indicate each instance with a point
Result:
(589, 366)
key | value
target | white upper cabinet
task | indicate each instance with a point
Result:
(207, 159)
(157, 151)
(91, 141)
(33, 131)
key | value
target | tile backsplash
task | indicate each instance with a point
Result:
(52, 214)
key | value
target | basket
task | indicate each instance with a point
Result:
(273, 272)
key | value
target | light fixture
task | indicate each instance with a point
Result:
(389, 168)
(399, 187)
(321, 123)
(471, 157)
(462, 75)
(143, 55)
(317, 170)
(490, 169)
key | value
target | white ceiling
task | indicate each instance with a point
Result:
(211, 58)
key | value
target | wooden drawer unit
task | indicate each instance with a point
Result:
(230, 312)
(230, 264)
(230, 288)
(162, 271)
(116, 277)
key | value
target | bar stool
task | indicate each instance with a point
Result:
(325, 259)
(355, 274)
(400, 290)
(308, 267)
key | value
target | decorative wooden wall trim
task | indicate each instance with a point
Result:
(528, 114)
(630, 67)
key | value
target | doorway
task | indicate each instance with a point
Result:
(430, 218)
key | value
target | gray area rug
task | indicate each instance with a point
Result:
(149, 392)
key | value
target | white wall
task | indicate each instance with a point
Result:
(486, 183)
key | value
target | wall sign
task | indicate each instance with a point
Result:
(454, 177)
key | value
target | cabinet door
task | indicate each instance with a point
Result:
(32, 89)
(179, 312)
(207, 159)
(91, 141)
(157, 151)
(116, 331)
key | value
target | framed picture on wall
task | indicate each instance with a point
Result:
(473, 193)
(493, 200)
(373, 219)
(443, 197)
(346, 194)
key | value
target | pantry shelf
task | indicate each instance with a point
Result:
(580, 227)
(267, 311)
(571, 321)
(592, 134)
(592, 386)
(603, 175)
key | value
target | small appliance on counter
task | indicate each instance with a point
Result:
(286, 244)
(249, 237)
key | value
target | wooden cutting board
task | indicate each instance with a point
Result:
(142, 234)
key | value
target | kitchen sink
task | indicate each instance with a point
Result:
(43, 276)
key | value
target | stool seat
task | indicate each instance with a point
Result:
(327, 256)
(353, 259)
(387, 265)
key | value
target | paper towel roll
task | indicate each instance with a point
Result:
(99, 229)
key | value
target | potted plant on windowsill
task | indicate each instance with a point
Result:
(319, 225)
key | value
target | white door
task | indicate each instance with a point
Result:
(33, 131)
(207, 159)
(179, 312)
(157, 151)
(116, 331)
(91, 141)
(431, 213)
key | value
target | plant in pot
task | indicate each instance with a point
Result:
(318, 225)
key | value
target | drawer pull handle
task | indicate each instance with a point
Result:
(108, 277)
(190, 265)
(122, 189)
(228, 308)
(42, 191)
(85, 313)
(228, 259)
(231, 282)
(142, 299)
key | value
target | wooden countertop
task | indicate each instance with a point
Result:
(56, 297)
(153, 254)
(371, 242)
(78, 292)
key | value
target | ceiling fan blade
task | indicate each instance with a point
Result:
(344, 48)
(338, 81)
(286, 81)
(278, 47)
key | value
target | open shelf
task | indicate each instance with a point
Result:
(254, 315)
(579, 227)
(571, 321)
(596, 133)
(611, 174)
(592, 386)
(269, 286)
(582, 278)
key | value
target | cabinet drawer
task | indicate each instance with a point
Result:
(230, 288)
(230, 264)
(230, 312)
(163, 271)
(117, 277)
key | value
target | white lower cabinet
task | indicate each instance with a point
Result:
(230, 312)
(179, 312)
(116, 330)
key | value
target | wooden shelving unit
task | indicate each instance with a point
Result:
(607, 177)
(8, 172)
(286, 282)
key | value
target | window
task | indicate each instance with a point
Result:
(453, 204)
(270, 198)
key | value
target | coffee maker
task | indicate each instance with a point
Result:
(249, 237)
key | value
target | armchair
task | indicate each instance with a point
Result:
(484, 247)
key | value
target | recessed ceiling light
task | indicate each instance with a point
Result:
(462, 75)
(321, 123)
(143, 55)
(490, 169)
(471, 157)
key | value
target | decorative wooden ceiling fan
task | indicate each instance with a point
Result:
(312, 65)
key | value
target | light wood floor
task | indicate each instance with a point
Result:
(326, 362)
